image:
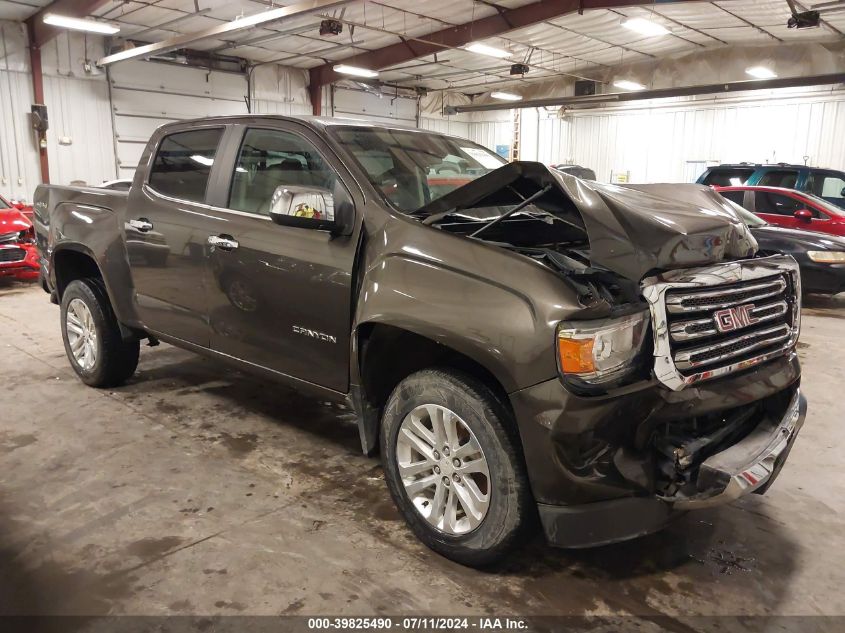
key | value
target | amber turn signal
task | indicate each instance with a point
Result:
(576, 355)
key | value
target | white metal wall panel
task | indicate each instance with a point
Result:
(80, 141)
(656, 144)
(19, 168)
(146, 95)
(491, 133)
(446, 126)
(358, 104)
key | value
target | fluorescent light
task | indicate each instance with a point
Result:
(77, 24)
(645, 27)
(628, 85)
(761, 72)
(490, 51)
(505, 96)
(354, 70)
(202, 160)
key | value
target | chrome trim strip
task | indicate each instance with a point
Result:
(756, 472)
(683, 359)
(679, 333)
(654, 290)
(674, 303)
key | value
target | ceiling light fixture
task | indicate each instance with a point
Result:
(343, 69)
(761, 72)
(645, 27)
(626, 84)
(490, 51)
(76, 24)
(506, 96)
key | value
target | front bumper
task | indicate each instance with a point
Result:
(26, 268)
(750, 465)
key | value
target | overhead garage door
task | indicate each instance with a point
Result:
(146, 95)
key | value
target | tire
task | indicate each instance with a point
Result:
(431, 395)
(114, 360)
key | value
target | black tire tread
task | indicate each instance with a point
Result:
(513, 529)
(118, 359)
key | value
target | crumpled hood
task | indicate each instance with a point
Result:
(12, 220)
(633, 230)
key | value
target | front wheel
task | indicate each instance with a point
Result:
(453, 466)
(92, 338)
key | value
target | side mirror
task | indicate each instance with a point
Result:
(805, 215)
(20, 206)
(312, 208)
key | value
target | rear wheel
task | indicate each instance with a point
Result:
(453, 467)
(93, 342)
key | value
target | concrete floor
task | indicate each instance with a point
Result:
(196, 490)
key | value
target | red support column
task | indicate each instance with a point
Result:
(315, 93)
(38, 94)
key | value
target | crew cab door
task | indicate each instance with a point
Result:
(280, 296)
(165, 228)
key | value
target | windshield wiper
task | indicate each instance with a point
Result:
(517, 208)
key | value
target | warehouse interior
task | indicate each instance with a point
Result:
(197, 489)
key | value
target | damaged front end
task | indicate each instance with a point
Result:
(678, 377)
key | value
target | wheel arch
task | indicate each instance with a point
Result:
(386, 354)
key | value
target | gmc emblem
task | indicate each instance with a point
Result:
(736, 318)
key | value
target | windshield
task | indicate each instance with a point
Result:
(5, 204)
(410, 168)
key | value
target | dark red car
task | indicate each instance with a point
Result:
(18, 255)
(789, 208)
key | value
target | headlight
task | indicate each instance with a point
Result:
(827, 257)
(601, 350)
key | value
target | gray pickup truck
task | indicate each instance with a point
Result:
(513, 339)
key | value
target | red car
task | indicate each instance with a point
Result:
(18, 255)
(789, 208)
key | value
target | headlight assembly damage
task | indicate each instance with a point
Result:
(601, 351)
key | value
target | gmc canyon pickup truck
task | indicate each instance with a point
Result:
(514, 340)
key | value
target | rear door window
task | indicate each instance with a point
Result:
(728, 176)
(829, 185)
(775, 203)
(786, 178)
(183, 163)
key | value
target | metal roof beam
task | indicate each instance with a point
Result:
(502, 21)
(181, 41)
(659, 93)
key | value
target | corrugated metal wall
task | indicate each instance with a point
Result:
(672, 142)
(79, 144)
(146, 95)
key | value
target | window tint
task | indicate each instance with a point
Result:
(785, 178)
(734, 196)
(775, 203)
(183, 164)
(728, 176)
(271, 160)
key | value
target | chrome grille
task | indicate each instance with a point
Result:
(12, 255)
(714, 321)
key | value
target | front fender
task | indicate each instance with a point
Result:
(496, 326)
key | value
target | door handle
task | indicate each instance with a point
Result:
(142, 224)
(223, 242)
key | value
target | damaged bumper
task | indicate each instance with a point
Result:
(614, 486)
(750, 465)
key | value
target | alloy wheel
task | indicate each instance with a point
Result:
(443, 469)
(81, 334)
